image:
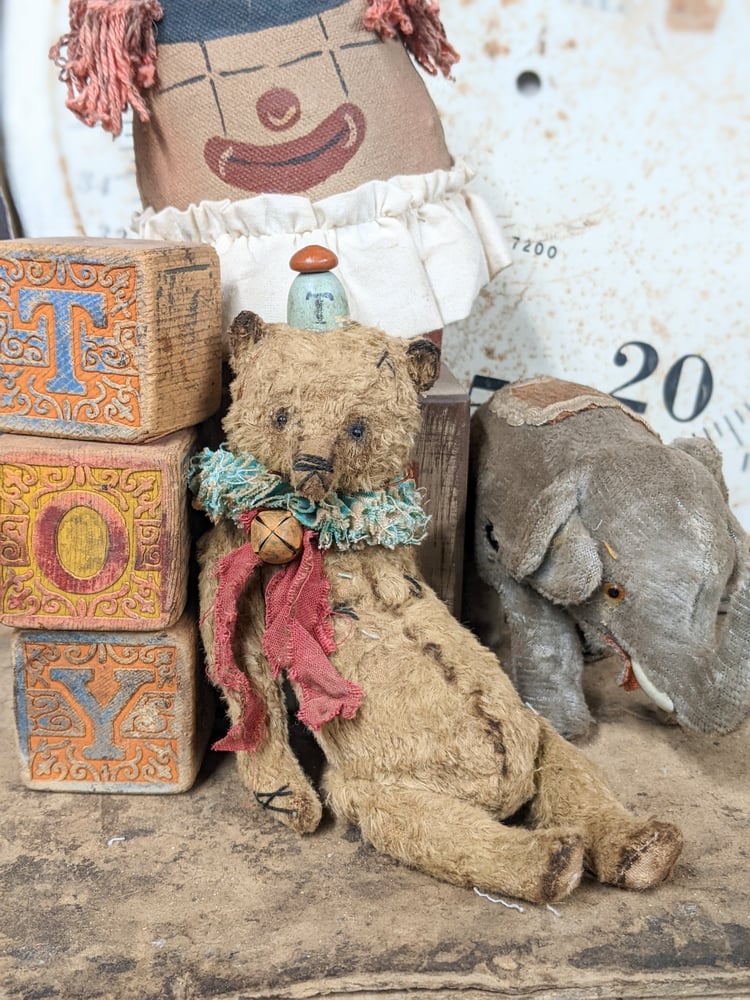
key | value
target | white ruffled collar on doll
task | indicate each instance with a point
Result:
(414, 251)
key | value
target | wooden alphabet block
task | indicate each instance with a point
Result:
(93, 535)
(108, 340)
(111, 712)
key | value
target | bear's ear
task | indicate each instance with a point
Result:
(247, 328)
(423, 363)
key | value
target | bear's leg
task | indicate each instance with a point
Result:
(459, 842)
(620, 849)
(272, 773)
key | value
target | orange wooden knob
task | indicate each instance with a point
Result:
(313, 258)
(276, 536)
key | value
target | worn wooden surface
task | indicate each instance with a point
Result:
(203, 897)
(111, 711)
(109, 340)
(93, 535)
(441, 466)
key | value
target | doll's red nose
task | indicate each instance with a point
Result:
(278, 109)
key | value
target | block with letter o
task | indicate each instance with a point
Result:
(93, 536)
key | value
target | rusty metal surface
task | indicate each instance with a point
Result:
(611, 138)
(199, 896)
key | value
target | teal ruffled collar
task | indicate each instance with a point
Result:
(228, 485)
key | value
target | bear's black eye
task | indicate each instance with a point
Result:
(281, 418)
(357, 430)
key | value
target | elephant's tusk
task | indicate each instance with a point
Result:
(633, 669)
(648, 688)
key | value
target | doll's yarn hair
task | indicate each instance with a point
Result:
(418, 24)
(108, 58)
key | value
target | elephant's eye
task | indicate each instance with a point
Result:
(489, 530)
(281, 418)
(614, 592)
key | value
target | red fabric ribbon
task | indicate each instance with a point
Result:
(298, 638)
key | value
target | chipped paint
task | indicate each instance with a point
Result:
(494, 48)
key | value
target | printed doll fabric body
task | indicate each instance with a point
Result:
(278, 124)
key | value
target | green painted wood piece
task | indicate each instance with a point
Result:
(317, 300)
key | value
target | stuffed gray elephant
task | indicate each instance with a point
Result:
(599, 538)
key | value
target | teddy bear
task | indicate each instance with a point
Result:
(429, 749)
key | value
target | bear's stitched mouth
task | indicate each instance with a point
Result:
(312, 476)
(290, 167)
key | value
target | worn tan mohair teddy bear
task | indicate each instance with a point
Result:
(428, 746)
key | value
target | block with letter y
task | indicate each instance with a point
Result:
(110, 712)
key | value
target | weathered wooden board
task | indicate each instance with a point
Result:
(111, 712)
(93, 535)
(441, 459)
(109, 340)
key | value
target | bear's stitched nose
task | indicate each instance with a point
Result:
(311, 476)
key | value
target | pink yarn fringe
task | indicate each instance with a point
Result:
(110, 59)
(418, 24)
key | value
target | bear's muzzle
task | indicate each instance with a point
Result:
(312, 476)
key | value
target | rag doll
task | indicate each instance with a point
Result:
(260, 127)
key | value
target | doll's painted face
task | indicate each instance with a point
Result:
(281, 96)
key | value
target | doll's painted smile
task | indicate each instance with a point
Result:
(290, 167)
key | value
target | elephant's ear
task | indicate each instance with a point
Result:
(707, 454)
(555, 552)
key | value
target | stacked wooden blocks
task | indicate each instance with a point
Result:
(110, 354)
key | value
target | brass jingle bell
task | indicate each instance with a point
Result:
(276, 536)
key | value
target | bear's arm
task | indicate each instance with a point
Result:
(272, 773)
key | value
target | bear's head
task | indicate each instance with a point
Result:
(326, 411)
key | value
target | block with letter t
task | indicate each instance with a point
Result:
(108, 340)
(110, 712)
(93, 535)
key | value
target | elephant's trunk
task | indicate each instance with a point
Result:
(712, 691)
